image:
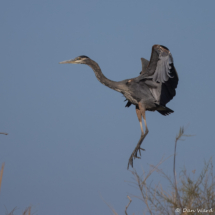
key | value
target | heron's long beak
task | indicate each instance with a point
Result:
(68, 61)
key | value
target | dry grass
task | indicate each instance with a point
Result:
(186, 194)
(27, 211)
(1, 174)
(189, 195)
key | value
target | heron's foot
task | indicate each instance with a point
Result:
(140, 150)
(135, 155)
(137, 148)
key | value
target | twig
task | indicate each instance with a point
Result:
(29, 210)
(128, 205)
(4, 133)
(1, 174)
(114, 212)
(178, 137)
(181, 132)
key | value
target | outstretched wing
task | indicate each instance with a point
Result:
(162, 73)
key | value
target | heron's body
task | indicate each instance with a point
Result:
(151, 90)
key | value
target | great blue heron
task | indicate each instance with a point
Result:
(151, 90)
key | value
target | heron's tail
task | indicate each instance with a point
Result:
(164, 110)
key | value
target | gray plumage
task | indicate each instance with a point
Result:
(151, 90)
(144, 65)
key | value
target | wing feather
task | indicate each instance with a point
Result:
(161, 71)
(145, 63)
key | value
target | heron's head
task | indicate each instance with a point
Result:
(78, 60)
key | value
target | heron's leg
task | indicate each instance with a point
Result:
(139, 116)
(140, 113)
(143, 113)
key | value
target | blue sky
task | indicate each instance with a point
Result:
(69, 136)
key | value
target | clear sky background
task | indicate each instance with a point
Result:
(70, 137)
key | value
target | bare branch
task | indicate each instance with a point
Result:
(4, 133)
(114, 212)
(1, 174)
(128, 205)
(178, 137)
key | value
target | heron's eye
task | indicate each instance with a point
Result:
(79, 58)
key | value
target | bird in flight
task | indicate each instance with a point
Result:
(150, 91)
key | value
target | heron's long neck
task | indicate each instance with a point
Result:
(107, 82)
